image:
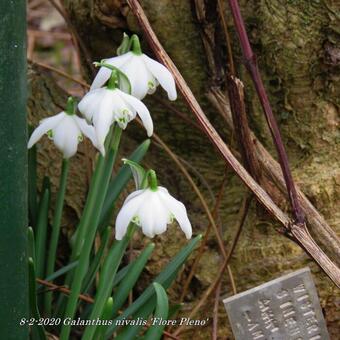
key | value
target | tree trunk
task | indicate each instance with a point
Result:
(298, 58)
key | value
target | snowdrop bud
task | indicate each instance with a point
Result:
(144, 73)
(152, 209)
(66, 130)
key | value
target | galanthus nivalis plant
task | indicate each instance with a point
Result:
(109, 104)
(108, 110)
(66, 130)
(144, 73)
(151, 208)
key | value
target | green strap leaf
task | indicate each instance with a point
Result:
(91, 274)
(130, 279)
(61, 271)
(38, 331)
(165, 278)
(138, 320)
(41, 233)
(162, 311)
(107, 312)
(106, 279)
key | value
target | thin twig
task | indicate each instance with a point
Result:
(61, 73)
(232, 281)
(215, 312)
(64, 290)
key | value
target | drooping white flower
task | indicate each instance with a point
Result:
(66, 130)
(144, 73)
(105, 106)
(152, 210)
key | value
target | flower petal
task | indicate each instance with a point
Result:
(142, 111)
(88, 106)
(103, 118)
(145, 214)
(87, 130)
(45, 125)
(126, 213)
(138, 75)
(104, 73)
(178, 209)
(161, 215)
(65, 136)
(163, 75)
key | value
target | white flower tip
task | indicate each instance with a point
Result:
(101, 149)
(30, 144)
(186, 228)
(172, 95)
(119, 237)
(188, 233)
(149, 132)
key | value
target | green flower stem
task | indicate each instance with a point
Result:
(56, 230)
(91, 206)
(84, 224)
(90, 226)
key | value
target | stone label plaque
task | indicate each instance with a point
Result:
(286, 308)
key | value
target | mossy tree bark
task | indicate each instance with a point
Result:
(298, 57)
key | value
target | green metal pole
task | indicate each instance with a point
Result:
(13, 171)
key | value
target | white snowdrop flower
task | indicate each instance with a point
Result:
(152, 210)
(144, 73)
(107, 105)
(66, 130)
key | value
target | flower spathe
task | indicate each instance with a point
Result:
(66, 130)
(105, 106)
(152, 210)
(144, 74)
